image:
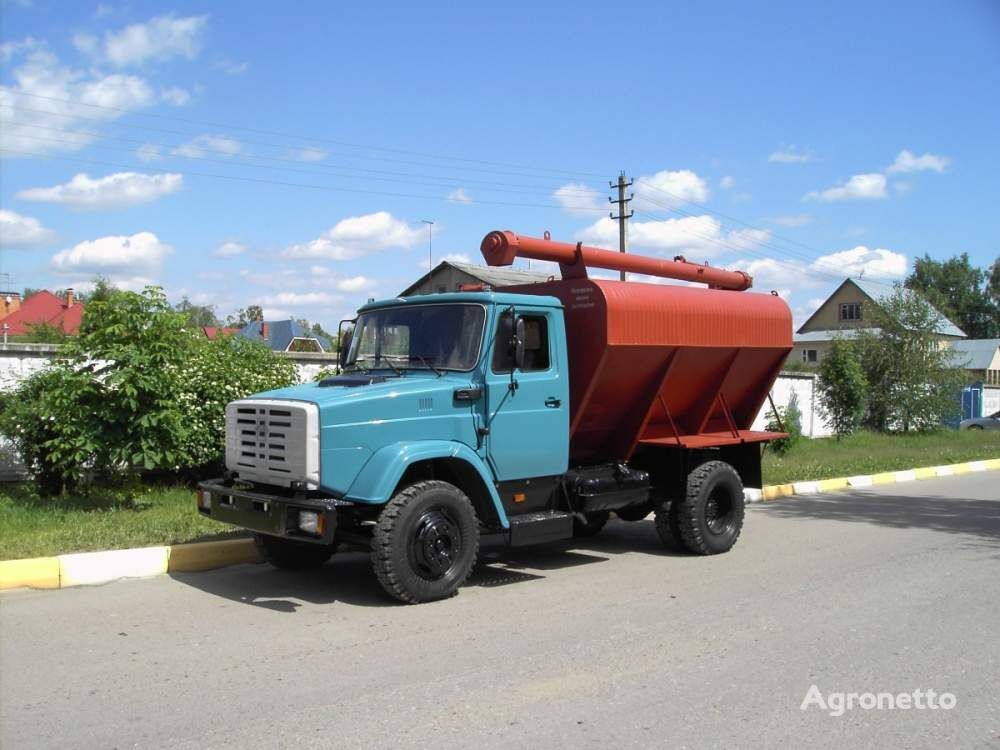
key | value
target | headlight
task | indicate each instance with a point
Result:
(311, 522)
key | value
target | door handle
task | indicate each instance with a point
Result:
(552, 402)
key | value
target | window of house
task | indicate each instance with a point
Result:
(850, 311)
(810, 355)
(536, 344)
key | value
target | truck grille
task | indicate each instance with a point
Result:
(273, 442)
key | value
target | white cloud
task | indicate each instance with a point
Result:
(176, 95)
(578, 199)
(160, 39)
(47, 100)
(908, 162)
(200, 146)
(117, 190)
(860, 186)
(229, 248)
(230, 67)
(702, 236)
(798, 220)
(354, 284)
(669, 188)
(862, 261)
(22, 231)
(148, 152)
(791, 155)
(302, 299)
(357, 236)
(135, 255)
(309, 154)
(727, 183)
(459, 195)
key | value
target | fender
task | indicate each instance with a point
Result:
(378, 478)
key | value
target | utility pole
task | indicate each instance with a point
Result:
(622, 217)
(430, 242)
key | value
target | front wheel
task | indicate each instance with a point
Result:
(291, 554)
(709, 518)
(425, 542)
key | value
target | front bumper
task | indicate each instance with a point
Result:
(265, 513)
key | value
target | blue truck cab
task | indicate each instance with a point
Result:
(463, 396)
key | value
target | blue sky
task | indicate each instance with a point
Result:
(285, 155)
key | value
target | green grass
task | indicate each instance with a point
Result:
(35, 527)
(869, 453)
(104, 519)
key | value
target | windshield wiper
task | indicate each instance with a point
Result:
(427, 364)
(399, 373)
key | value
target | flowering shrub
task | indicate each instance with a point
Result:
(135, 391)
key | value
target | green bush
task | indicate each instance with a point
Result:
(788, 419)
(135, 391)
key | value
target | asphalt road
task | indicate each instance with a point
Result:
(611, 643)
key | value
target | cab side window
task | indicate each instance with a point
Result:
(536, 344)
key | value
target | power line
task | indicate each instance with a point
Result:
(282, 183)
(315, 139)
(301, 167)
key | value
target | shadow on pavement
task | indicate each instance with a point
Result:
(980, 518)
(348, 577)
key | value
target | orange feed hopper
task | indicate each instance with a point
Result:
(659, 364)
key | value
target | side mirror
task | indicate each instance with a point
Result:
(518, 343)
(344, 338)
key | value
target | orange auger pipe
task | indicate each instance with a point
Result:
(500, 248)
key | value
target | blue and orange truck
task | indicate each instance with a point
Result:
(524, 414)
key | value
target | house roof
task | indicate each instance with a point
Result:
(975, 354)
(492, 275)
(213, 332)
(876, 290)
(45, 308)
(279, 334)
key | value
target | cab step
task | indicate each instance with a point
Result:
(540, 527)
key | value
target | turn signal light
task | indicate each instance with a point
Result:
(518, 497)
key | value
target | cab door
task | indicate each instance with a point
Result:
(529, 421)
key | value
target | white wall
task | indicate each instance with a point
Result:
(803, 385)
(991, 399)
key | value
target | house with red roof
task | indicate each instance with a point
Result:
(45, 308)
(214, 332)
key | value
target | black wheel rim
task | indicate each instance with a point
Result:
(720, 512)
(435, 545)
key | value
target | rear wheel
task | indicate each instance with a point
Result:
(974, 427)
(291, 554)
(425, 542)
(709, 518)
(588, 524)
(667, 527)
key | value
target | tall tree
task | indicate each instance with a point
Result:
(843, 388)
(960, 291)
(244, 315)
(912, 383)
(197, 315)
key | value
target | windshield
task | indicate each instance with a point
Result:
(434, 337)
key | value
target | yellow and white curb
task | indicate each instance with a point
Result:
(778, 491)
(88, 568)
